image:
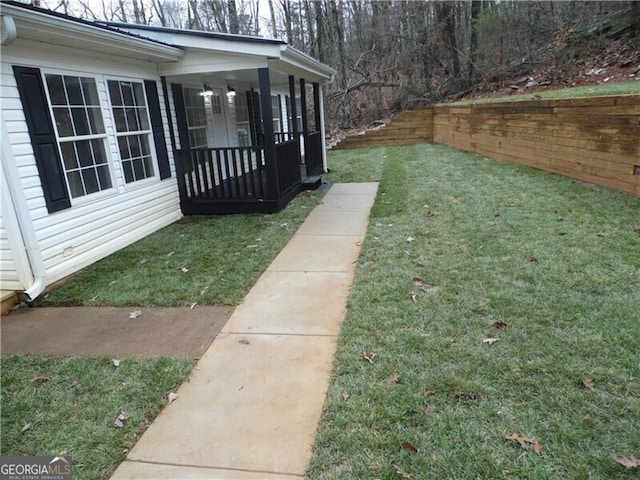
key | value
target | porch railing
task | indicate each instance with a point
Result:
(288, 161)
(222, 173)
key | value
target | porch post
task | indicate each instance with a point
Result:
(294, 107)
(316, 106)
(325, 166)
(305, 126)
(273, 184)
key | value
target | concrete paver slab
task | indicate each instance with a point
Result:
(108, 331)
(252, 403)
(150, 471)
(365, 188)
(348, 203)
(324, 221)
(318, 253)
(307, 303)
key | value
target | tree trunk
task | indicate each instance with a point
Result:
(234, 25)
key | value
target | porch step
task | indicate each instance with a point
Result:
(312, 182)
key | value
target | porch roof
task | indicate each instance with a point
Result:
(42, 25)
(233, 53)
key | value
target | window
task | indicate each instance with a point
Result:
(131, 119)
(275, 107)
(298, 119)
(242, 121)
(196, 117)
(81, 133)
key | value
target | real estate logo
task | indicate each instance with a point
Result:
(35, 468)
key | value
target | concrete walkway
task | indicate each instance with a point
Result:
(251, 406)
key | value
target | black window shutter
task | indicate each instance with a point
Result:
(43, 137)
(157, 127)
(181, 116)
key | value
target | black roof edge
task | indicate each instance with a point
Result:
(197, 33)
(95, 24)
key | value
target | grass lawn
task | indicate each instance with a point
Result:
(460, 250)
(595, 90)
(50, 405)
(54, 405)
(199, 259)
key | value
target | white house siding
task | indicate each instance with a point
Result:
(8, 268)
(102, 223)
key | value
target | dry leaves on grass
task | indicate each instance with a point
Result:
(120, 420)
(26, 427)
(401, 473)
(40, 379)
(629, 462)
(490, 341)
(526, 443)
(409, 447)
(393, 378)
(588, 383)
(500, 325)
(369, 356)
(429, 391)
(172, 397)
(115, 362)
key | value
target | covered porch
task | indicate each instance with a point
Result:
(254, 149)
(246, 121)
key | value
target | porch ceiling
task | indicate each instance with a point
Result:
(234, 77)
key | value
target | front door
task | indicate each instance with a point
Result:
(220, 129)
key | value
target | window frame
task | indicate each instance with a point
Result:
(193, 128)
(72, 139)
(148, 132)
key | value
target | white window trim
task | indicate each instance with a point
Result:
(95, 196)
(112, 123)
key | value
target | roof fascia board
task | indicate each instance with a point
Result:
(188, 40)
(299, 60)
(90, 35)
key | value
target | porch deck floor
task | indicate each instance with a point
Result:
(252, 404)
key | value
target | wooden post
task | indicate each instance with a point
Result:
(273, 184)
(316, 106)
(305, 126)
(294, 106)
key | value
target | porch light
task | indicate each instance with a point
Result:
(231, 92)
(206, 91)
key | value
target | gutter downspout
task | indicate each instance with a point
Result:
(27, 231)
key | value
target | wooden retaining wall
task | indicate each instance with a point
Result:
(407, 128)
(594, 139)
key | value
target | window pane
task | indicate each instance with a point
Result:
(114, 93)
(104, 177)
(121, 122)
(143, 119)
(95, 119)
(80, 122)
(84, 153)
(63, 121)
(134, 143)
(127, 93)
(68, 155)
(56, 90)
(99, 154)
(90, 180)
(132, 120)
(123, 145)
(90, 91)
(139, 94)
(75, 184)
(144, 141)
(138, 169)
(128, 172)
(148, 167)
(74, 93)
